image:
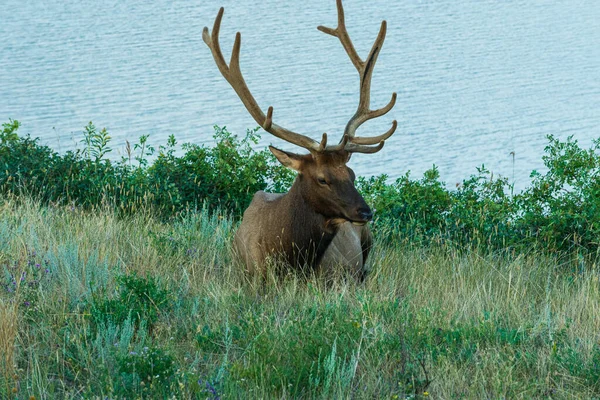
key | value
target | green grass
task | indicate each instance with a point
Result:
(135, 307)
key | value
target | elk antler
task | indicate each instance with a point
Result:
(365, 70)
(349, 142)
(233, 75)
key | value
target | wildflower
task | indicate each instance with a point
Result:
(38, 265)
(209, 388)
(425, 394)
(46, 270)
(26, 303)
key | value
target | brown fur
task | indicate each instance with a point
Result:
(308, 226)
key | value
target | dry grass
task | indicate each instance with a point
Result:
(8, 339)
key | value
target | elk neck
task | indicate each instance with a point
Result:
(312, 232)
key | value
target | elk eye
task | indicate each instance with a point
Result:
(322, 181)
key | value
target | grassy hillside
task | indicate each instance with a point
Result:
(99, 305)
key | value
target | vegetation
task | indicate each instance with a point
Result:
(474, 292)
(224, 176)
(559, 211)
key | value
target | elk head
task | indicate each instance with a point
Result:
(325, 182)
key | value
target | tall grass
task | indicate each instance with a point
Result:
(96, 305)
(8, 339)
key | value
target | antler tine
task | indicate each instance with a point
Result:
(323, 144)
(233, 74)
(341, 33)
(376, 139)
(365, 69)
(342, 145)
(357, 148)
(269, 120)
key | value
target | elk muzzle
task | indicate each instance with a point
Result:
(364, 214)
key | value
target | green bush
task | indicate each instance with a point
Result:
(411, 209)
(226, 175)
(559, 211)
(562, 207)
(137, 299)
(151, 366)
(9, 132)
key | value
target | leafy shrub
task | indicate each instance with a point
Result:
(562, 207)
(424, 210)
(96, 143)
(138, 299)
(9, 132)
(410, 208)
(149, 366)
(560, 210)
(226, 175)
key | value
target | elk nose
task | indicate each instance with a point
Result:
(365, 214)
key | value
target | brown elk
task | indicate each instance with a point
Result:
(322, 220)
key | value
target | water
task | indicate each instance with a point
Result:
(476, 80)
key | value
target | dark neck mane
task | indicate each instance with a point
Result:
(309, 234)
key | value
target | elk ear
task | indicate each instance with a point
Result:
(290, 160)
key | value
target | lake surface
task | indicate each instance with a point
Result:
(476, 80)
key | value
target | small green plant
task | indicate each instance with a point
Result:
(148, 367)
(169, 149)
(137, 298)
(145, 151)
(8, 133)
(95, 142)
